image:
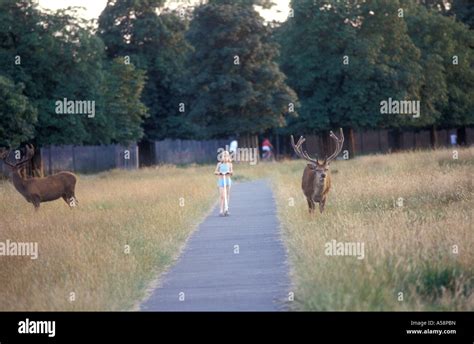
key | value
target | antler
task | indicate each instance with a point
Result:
(339, 143)
(30, 151)
(3, 153)
(299, 151)
(4, 156)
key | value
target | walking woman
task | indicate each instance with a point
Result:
(224, 171)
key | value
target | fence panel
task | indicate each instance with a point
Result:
(187, 151)
(89, 159)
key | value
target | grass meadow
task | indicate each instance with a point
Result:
(409, 209)
(84, 251)
(409, 247)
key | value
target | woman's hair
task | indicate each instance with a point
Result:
(225, 157)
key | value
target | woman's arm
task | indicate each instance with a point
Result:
(216, 171)
(231, 169)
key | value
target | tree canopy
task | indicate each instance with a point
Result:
(218, 69)
(344, 57)
(235, 85)
(56, 56)
(154, 43)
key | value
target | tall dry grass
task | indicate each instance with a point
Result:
(83, 251)
(409, 249)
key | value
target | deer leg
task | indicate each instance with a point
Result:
(73, 196)
(36, 200)
(321, 205)
(71, 200)
(310, 205)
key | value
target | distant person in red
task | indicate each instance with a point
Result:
(267, 149)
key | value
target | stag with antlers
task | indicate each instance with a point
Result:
(38, 190)
(316, 181)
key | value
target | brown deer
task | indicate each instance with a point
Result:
(316, 181)
(37, 190)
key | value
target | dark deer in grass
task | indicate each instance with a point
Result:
(37, 190)
(316, 181)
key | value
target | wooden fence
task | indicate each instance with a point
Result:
(92, 159)
(182, 151)
(86, 159)
(375, 141)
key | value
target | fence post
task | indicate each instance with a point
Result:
(50, 163)
(361, 140)
(380, 140)
(137, 156)
(73, 158)
(94, 148)
(277, 155)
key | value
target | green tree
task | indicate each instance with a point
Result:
(31, 54)
(55, 56)
(153, 43)
(317, 56)
(395, 68)
(343, 59)
(235, 85)
(464, 11)
(117, 24)
(262, 3)
(76, 66)
(436, 5)
(123, 88)
(447, 59)
(459, 64)
(17, 115)
(428, 31)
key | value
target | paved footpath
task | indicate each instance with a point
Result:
(235, 263)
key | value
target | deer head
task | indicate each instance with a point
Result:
(316, 176)
(15, 166)
(4, 154)
(320, 167)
